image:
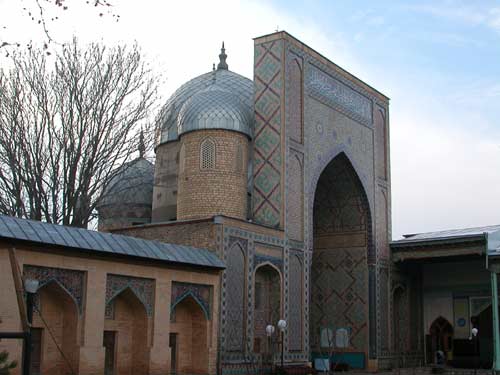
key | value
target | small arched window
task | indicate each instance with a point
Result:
(207, 154)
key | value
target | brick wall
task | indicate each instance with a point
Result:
(221, 190)
(198, 234)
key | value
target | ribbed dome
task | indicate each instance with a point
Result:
(131, 185)
(239, 88)
(215, 108)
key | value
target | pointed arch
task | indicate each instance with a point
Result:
(61, 288)
(342, 240)
(131, 290)
(235, 289)
(380, 143)
(189, 294)
(296, 95)
(268, 292)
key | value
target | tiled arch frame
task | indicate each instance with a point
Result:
(373, 302)
(71, 281)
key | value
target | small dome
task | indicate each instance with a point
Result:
(215, 108)
(131, 185)
(241, 88)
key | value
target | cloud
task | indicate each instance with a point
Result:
(464, 12)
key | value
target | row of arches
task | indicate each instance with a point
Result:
(127, 334)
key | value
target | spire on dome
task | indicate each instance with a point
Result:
(142, 146)
(222, 57)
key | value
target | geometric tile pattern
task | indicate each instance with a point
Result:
(70, 280)
(143, 289)
(267, 138)
(202, 294)
(295, 312)
(339, 274)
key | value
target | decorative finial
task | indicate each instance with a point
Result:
(142, 146)
(222, 58)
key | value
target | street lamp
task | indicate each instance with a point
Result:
(282, 327)
(269, 332)
(474, 332)
(30, 287)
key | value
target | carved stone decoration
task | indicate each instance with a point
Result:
(144, 289)
(336, 94)
(72, 281)
(201, 293)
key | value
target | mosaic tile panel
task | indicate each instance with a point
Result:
(333, 92)
(295, 202)
(267, 202)
(384, 309)
(382, 224)
(200, 292)
(295, 304)
(144, 289)
(71, 280)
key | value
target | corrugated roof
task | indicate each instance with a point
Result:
(84, 239)
(451, 234)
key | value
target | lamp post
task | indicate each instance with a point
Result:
(282, 327)
(30, 287)
(269, 332)
(474, 332)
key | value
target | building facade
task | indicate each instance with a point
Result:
(109, 304)
(287, 179)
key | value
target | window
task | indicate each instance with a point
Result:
(207, 154)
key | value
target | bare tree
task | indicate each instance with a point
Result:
(44, 13)
(67, 124)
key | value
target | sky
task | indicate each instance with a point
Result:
(438, 61)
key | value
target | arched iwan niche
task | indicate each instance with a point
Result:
(126, 338)
(60, 315)
(189, 324)
(342, 246)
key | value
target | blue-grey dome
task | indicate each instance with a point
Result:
(215, 108)
(132, 184)
(237, 90)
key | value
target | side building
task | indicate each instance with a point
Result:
(109, 304)
(443, 289)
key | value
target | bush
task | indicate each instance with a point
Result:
(5, 365)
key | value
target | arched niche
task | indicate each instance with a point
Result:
(342, 285)
(190, 327)
(126, 334)
(56, 321)
(267, 304)
(400, 319)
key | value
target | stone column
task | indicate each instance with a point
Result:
(92, 320)
(159, 358)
